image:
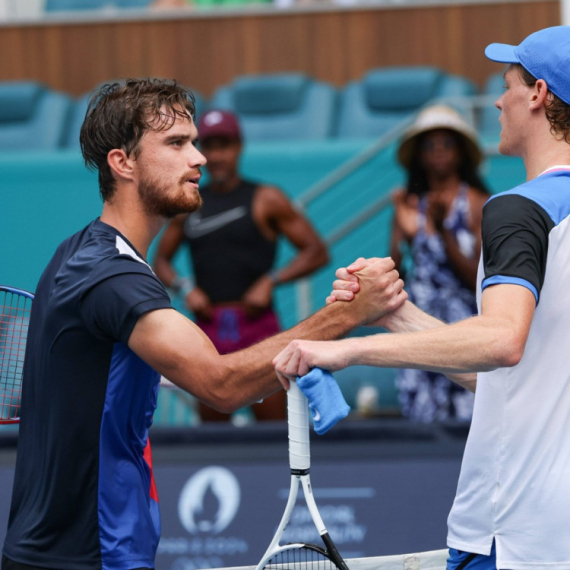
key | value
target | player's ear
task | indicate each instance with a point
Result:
(121, 165)
(539, 95)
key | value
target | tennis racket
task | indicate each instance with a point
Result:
(300, 556)
(15, 307)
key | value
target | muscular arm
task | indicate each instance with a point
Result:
(494, 339)
(277, 216)
(229, 382)
(173, 346)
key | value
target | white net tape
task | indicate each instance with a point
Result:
(432, 560)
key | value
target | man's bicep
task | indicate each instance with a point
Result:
(513, 304)
(175, 347)
(287, 219)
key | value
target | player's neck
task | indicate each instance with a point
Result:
(137, 226)
(537, 161)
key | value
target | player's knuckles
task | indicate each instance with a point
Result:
(343, 295)
(383, 264)
(340, 284)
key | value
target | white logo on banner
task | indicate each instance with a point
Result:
(219, 488)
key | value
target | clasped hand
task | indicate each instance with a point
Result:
(375, 290)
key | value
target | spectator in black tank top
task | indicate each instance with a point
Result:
(232, 242)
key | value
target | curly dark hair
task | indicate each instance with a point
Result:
(557, 111)
(417, 177)
(119, 114)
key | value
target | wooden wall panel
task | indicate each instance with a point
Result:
(205, 52)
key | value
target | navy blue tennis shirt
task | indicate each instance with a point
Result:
(83, 492)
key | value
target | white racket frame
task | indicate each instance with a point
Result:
(300, 463)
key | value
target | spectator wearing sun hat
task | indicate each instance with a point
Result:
(437, 222)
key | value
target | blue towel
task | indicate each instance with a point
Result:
(325, 399)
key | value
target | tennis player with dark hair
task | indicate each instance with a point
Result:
(102, 331)
(513, 497)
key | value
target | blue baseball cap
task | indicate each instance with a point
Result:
(544, 54)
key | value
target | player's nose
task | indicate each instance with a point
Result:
(196, 159)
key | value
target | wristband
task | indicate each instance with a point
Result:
(182, 285)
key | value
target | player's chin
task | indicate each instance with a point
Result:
(506, 149)
(181, 207)
(189, 202)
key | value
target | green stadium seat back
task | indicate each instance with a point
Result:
(32, 117)
(65, 5)
(132, 3)
(285, 106)
(385, 97)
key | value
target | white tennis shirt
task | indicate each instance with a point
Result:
(514, 485)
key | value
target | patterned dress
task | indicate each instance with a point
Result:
(434, 288)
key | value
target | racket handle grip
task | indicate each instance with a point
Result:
(298, 419)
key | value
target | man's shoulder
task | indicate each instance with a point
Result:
(270, 193)
(549, 192)
(99, 252)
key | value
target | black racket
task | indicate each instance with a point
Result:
(300, 556)
(15, 307)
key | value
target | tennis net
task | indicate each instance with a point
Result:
(431, 560)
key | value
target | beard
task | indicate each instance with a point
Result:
(159, 200)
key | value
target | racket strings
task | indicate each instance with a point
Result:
(303, 558)
(14, 320)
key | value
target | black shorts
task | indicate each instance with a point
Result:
(8, 564)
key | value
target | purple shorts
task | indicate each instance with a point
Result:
(231, 329)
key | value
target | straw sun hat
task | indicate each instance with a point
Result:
(438, 117)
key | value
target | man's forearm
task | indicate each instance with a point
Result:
(304, 263)
(250, 372)
(474, 345)
(409, 318)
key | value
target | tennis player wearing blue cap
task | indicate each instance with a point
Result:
(512, 507)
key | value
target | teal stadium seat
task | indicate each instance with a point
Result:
(132, 3)
(283, 106)
(32, 117)
(65, 5)
(71, 139)
(489, 126)
(385, 97)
